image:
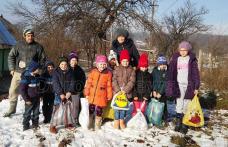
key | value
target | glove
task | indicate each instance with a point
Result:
(28, 102)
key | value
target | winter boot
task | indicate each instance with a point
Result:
(122, 124)
(184, 129)
(178, 122)
(98, 122)
(91, 121)
(25, 127)
(77, 124)
(12, 109)
(116, 124)
(53, 130)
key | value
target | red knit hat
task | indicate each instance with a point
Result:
(124, 54)
(143, 60)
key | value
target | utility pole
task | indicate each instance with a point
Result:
(154, 4)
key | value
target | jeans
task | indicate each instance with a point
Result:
(32, 112)
(119, 114)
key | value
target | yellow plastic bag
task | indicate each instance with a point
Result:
(194, 115)
(108, 112)
(120, 101)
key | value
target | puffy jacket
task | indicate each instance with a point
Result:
(130, 46)
(99, 87)
(123, 79)
(29, 86)
(159, 80)
(79, 78)
(24, 52)
(143, 85)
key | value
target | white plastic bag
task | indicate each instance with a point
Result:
(138, 122)
(84, 114)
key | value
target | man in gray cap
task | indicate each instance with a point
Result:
(19, 58)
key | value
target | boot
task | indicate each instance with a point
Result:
(53, 129)
(91, 121)
(178, 122)
(184, 129)
(122, 124)
(12, 109)
(98, 122)
(116, 124)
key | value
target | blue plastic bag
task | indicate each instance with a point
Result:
(154, 112)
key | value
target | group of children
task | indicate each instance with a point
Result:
(66, 82)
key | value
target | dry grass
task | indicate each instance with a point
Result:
(184, 141)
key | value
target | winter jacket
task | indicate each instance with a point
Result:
(98, 87)
(143, 85)
(46, 85)
(123, 79)
(172, 87)
(159, 80)
(62, 81)
(79, 78)
(130, 46)
(29, 86)
(23, 52)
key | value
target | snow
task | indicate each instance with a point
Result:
(11, 133)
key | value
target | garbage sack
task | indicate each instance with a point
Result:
(108, 111)
(208, 100)
(84, 114)
(120, 101)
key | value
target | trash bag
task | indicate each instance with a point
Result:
(137, 105)
(63, 115)
(108, 112)
(138, 122)
(154, 112)
(194, 115)
(120, 101)
(208, 100)
(84, 114)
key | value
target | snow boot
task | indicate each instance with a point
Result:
(184, 129)
(178, 122)
(122, 124)
(77, 124)
(12, 109)
(116, 124)
(98, 122)
(91, 121)
(26, 127)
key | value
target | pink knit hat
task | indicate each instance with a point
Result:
(101, 59)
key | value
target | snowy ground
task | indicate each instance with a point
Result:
(11, 134)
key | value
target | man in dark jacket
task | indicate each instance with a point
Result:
(19, 58)
(123, 42)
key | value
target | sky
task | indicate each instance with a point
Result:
(217, 16)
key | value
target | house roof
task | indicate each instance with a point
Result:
(6, 38)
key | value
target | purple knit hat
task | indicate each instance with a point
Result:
(186, 45)
(73, 54)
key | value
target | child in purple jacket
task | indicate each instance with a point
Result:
(183, 81)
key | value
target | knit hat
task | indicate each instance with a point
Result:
(63, 59)
(28, 31)
(122, 32)
(143, 60)
(186, 45)
(124, 54)
(33, 66)
(101, 59)
(49, 63)
(112, 55)
(73, 54)
(161, 60)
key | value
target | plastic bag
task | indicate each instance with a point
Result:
(155, 111)
(63, 115)
(194, 115)
(120, 101)
(108, 112)
(84, 114)
(138, 122)
(137, 105)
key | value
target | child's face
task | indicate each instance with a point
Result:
(183, 52)
(101, 66)
(63, 65)
(73, 62)
(121, 39)
(125, 63)
(50, 68)
(112, 62)
(163, 66)
(143, 68)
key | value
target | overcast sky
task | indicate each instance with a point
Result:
(217, 16)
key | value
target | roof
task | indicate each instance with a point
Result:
(6, 38)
